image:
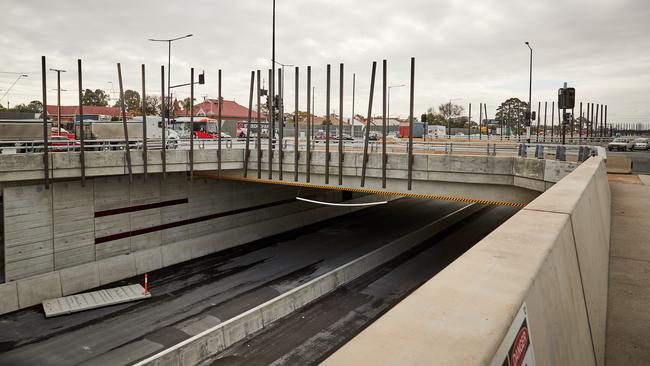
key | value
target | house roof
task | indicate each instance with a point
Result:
(73, 110)
(230, 109)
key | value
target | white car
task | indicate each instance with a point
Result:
(642, 144)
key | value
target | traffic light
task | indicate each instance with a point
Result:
(202, 78)
(566, 98)
(423, 118)
(534, 116)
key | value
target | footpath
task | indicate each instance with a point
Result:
(628, 306)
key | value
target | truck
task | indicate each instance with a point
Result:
(17, 136)
(110, 135)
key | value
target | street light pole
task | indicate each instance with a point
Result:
(58, 98)
(11, 86)
(169, 69)
(388, 103)
(530, 91)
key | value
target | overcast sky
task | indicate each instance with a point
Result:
(468, 51)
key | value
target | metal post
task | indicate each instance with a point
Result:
(487, 126)
(341, 124)
(539, 109)
(559, 120)
(354, 87)
(46, 147)
(563, 119)
(368, 121)
(163, 111)
(309, 102)
(591, 120)
(605, 120)
(601, 120)
(271, 129)
(530, 93)
(126, 131)
(383, 125)
(248, 126)
(410, 161)
(469, 123)
(596, 120)
(280, 124)
(580, 125)
(480, 121)
(296, 153)
(259, 126)
(191, 124)
(144, 125)
(552, 119)
(82, 147)
(220, 108)
(545, 114)
(327, 126)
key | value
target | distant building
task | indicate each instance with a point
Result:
(230, 111)
(70, 113)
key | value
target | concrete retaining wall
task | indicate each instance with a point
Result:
(71, 238)
(552, 256)
(216, 339)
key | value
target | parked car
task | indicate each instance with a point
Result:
(621, 143)
(642, 144)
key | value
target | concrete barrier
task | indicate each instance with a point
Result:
(619, 164)
(552, 256)
(212, 341)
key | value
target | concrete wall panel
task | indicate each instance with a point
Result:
(35, 289)
(79, 278)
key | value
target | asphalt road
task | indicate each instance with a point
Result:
(640, 160)
(314, 332)
(193, 296)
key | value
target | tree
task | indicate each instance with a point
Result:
(96, 98)
(512, 115)
(35, 106)
(132, 102)
(187, 104)
(153, 105)
(450, 110)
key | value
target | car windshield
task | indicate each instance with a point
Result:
(620, 139)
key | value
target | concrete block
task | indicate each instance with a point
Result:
(8, 297)
(176, 252)
(35, 289)
(147, 260)
(29, 267)
(116, 268)
(112, 248)
(79, 278)
(73, 257)
(555, 170)
(529, 168)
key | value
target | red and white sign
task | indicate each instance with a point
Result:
(516, 349)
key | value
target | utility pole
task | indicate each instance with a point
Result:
(58, 98)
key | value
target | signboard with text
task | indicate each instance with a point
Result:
(516, 349)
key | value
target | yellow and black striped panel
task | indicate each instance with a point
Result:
(373, 191)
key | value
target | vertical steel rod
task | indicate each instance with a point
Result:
(580, 125)
(412, 96)
(597, 127)
(309, 111)
(219, 111)
(469, 123)
(605, 120)
(46, 148)
(328, 122)
(82, 139)
(144, 126)
(545, 112)
(601, 120)
(191, 124)
(271, 129)
(248, 126)
(384, 89)
(539, 110)
(258, 150)
(124, 124)
(591, 120)
(368, 122)
(354, 87)
(480, 121)
(280, 122)
(487, 126)
(341, 78)
(552, 119)
(164, 112)
(296, 128)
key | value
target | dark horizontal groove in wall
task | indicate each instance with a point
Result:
(170, 225)
(121, 210)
